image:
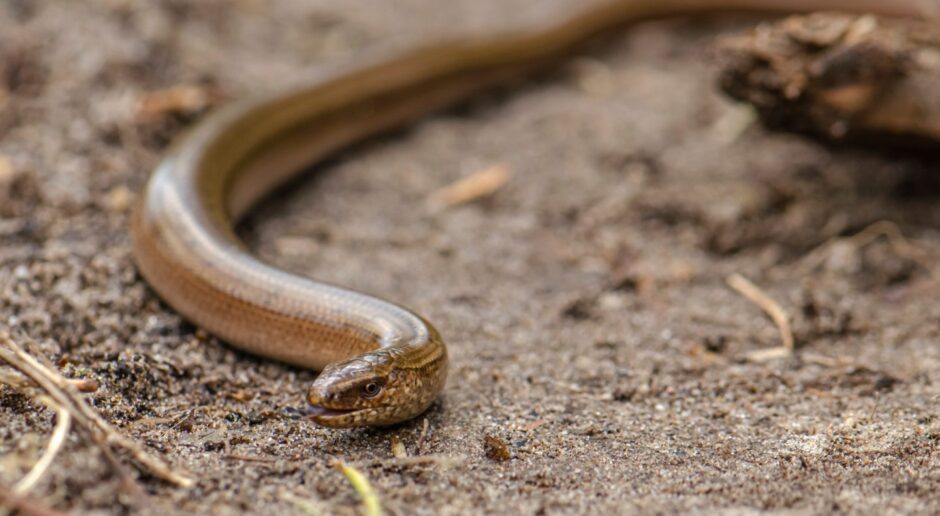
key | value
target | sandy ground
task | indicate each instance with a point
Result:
(591, 329)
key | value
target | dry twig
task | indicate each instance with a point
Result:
(773, 310)
(883, 228)
(40, 374)
(65, 394)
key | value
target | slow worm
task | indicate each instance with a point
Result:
(381, 363)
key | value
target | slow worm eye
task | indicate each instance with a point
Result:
(371, 389)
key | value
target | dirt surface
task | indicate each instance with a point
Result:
(598, 355)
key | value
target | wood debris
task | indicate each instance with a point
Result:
(496, 449)
(841, 77)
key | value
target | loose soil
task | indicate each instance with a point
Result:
(598, 355)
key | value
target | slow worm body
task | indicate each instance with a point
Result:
(381, 363)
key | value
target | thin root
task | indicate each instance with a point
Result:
(773, 310)
(61, 431)
(65, 394)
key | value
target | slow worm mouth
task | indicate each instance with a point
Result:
(315, 411)
(333, 418)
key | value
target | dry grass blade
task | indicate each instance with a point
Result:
(64, 393)
(468, 189)
(370, 501)
(61, 431)
(22, 383)
(11, 353)
(773, 310)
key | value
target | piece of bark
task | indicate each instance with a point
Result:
(841, 77)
